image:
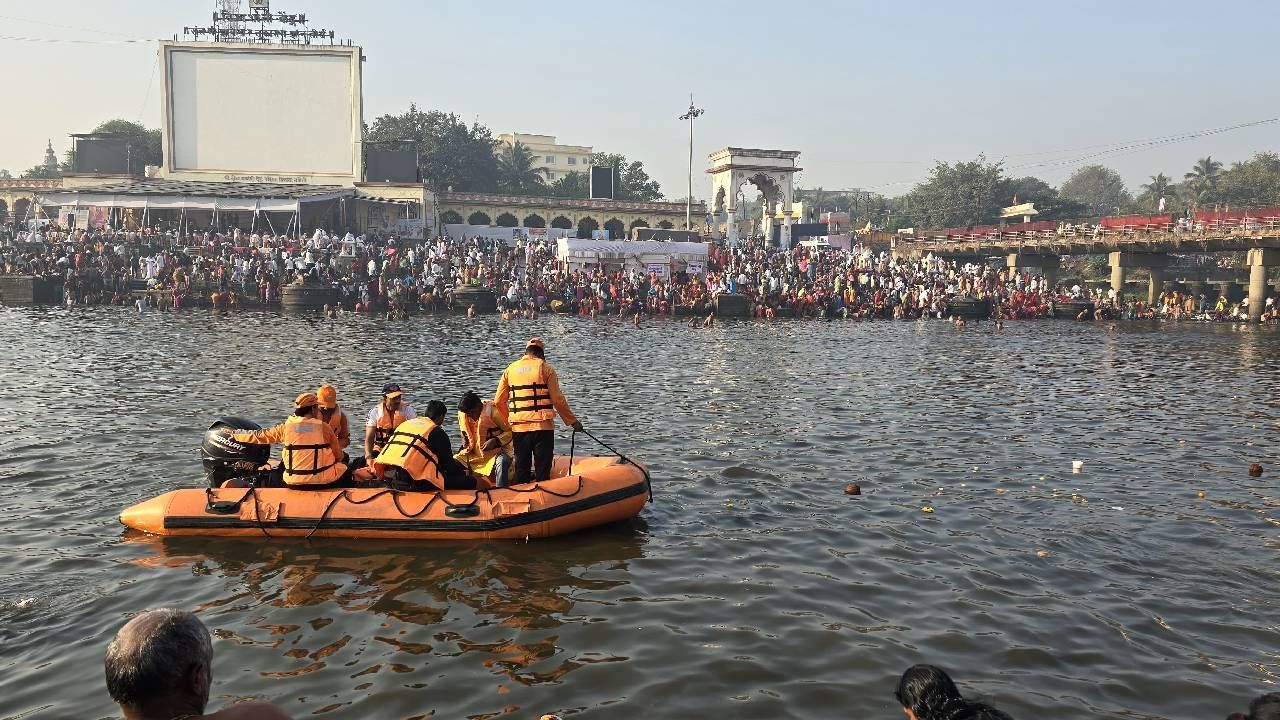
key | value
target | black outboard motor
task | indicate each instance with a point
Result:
(225, 459)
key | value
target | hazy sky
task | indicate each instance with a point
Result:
(871, 93)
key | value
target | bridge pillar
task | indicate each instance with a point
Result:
(1156, 289)
(1155, 263)
(1047, 264)
(1259, 260)
(1117, 277)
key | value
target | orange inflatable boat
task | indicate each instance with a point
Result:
(601, 490)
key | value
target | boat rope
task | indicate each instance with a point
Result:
(648, 482)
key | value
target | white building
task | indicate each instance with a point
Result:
(554, 160)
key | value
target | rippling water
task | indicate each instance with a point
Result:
(752, 586)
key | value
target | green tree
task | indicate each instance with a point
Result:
(1099, 190)
(954, 195)
(1202, 182)
(631, 181)
(1253, 183)
(451, 154)
(573, 185)
(4, 174)
(516, 173)
(1161, 186)
(40, 172)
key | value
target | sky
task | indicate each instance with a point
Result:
(870, 93)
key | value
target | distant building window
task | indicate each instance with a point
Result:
(551, 159)
(573, 161)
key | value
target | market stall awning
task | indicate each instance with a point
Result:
(177, 194)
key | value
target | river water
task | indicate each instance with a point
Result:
(752, 585)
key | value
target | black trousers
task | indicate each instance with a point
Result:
(533, 451)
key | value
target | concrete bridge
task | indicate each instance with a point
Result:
(1152, 251)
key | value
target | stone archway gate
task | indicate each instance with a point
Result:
(770, 171)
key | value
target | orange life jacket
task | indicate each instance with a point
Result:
(307, 457)
(387, 423)
(483, 430)
(530, 398)
(406, 448)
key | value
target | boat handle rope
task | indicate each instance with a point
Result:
(648, 482)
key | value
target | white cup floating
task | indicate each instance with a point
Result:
(1077, 466)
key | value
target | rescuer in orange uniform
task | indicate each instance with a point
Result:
(327, 395)
(486, 439)
(529, 398)
(312, 456)
(420, 447)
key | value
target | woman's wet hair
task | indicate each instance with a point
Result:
(930, 693)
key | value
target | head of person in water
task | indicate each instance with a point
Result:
(160, 664)
(928, 693)
(470, 405)
(1265, 707)
(436, 411)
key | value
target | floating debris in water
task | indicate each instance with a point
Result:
(852, 489)
(927, 509)
(999, 491)
(1255, 469)
(1200, 494)
(1042, 553)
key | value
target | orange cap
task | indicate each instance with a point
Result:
(305, 400)
(535, 342)
(327, 396)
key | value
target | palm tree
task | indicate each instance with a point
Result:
(516, 173)
(1203, 180)
(1161, 186)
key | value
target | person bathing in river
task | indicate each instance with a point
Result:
(159, 666)
(927, 693)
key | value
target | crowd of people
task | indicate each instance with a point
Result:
(160, 665)
(398, 277)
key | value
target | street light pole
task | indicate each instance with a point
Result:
(688, 201)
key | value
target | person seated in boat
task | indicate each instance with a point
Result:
(486, 439)
(327, 395)
(312, 456)
(420, 448)
(160, 665)
(384, 418)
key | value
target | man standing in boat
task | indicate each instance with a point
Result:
(529, 397)
(384, 419)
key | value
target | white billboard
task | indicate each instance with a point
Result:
(255, 113)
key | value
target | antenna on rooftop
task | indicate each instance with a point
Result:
(231, 25)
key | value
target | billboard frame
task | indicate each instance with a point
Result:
(267, 175)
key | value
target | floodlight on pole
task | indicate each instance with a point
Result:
(692, 113)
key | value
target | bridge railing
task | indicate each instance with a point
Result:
(1229, 226)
